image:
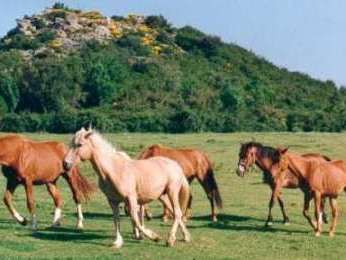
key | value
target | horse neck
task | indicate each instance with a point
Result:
(259, 161)
(298, 165)
(8, 151)
(102, 158)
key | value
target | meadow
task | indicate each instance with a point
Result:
(239, 233)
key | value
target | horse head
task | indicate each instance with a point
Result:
(80, 148)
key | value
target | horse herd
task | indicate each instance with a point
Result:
(160, 173)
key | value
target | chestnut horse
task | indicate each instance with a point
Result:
(136, 182)
(35, 163)
(267, 158)
(325, 179)
(195, 164)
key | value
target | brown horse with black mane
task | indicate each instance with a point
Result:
(267, 159)
(36, 163)
(195, 164)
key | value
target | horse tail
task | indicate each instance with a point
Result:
(82, 185)
(184, 195)
(214, 189)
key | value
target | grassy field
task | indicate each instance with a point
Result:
(239, 234)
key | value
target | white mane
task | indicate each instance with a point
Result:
(99, 141)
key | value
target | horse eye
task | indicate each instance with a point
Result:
(78, 145)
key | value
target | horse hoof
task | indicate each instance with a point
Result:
(140, 237)
(148, 216)
(156, 238)
(170, 242)
(331, 234)
(287, 223)
(79, 227)
(56, 225)
(24, 222)
(118, 244)
(317, 234)
(268, 224)
(214, 219)
(187, 239)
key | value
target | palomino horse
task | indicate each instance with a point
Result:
(267, 158)
(136, 182)
(34, 163)
(325, 179)
(195, 164)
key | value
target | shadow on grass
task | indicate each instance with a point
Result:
(82, 237)
(224, 218)
(97, 215)
(67, 234)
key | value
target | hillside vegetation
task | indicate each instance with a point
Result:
(64, 67)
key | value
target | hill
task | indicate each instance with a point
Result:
(64, 67)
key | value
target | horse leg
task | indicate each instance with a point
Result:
(133, 207)
(55, 193)
(307, 199)
(10, 188)
(282, 207)
(188, 212)
(334, 206)
(166, 214)
(178, 220)
(77, 200)
(318, 213)
(118, 238)
(324, 215)
(209, 193)
(269, 221)
(31, 203)
(135, 230)
(147, 212)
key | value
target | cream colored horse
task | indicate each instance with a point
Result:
(136, 182)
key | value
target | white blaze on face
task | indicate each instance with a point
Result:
(241, 168)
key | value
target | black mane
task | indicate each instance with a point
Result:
(264, 151)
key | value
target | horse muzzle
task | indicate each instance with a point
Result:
(67, 165)
(241, 170)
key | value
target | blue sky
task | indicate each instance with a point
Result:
(301, 35)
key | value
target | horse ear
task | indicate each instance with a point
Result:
(282, 150)
(90, 132)
(83, 129)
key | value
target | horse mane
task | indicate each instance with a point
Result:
(101, 142)
(264, 151)
(107, 147)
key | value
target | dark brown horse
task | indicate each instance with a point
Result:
(267, 159)
(324, 179)
(36, 163)
(195, 164)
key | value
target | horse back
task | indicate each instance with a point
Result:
(192, 161)
(41, 161)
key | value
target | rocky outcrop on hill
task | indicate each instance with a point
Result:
(61, 30)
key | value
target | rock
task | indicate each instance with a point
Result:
(102, 32)
(25, 26)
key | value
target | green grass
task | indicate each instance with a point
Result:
(239, 234)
